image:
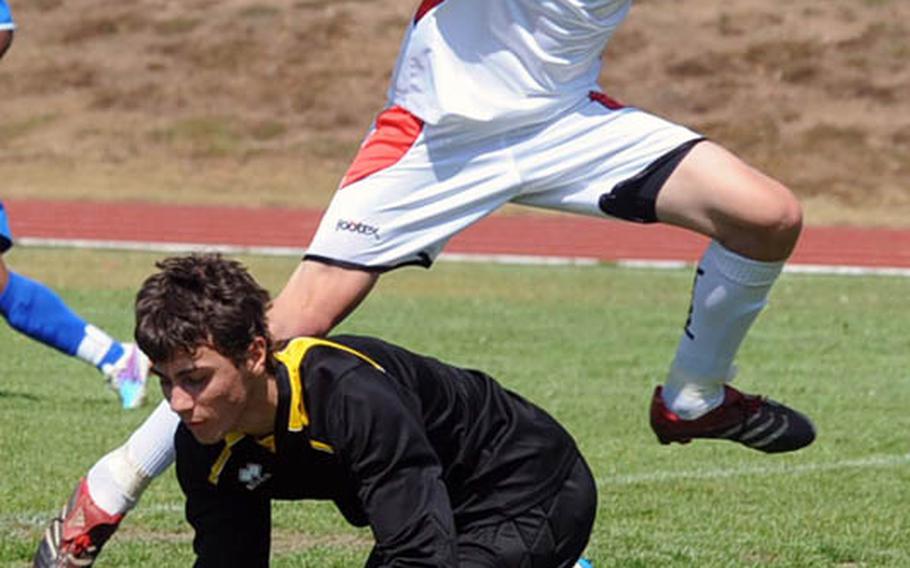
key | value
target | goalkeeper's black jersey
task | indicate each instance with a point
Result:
(412, 447)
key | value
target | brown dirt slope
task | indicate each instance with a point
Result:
(263, 102)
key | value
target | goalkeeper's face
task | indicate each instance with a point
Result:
(214, 395)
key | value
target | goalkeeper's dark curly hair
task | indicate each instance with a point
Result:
(200, 299)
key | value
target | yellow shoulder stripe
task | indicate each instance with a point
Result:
(291, 356)
(268, 442)
(229, 442)
(322, 447)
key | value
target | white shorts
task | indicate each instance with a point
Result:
(413, 186)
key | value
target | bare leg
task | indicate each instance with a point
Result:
(6, 38)
(754, 222)
(4, 275)
(716, 194)
(317, 297)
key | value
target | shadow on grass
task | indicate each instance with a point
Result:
(20, 396)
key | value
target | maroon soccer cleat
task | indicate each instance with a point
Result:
(754, 421)
(75, 537)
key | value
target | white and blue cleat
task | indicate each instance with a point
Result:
(129, 375)
(584, 563)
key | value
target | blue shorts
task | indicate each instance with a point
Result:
(6, 19)
(6, 237)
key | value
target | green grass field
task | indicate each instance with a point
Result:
(588, 344)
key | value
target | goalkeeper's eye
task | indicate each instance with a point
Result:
(195, 381)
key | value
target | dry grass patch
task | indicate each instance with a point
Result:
(208, 100)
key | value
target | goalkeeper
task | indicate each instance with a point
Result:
(445, 466)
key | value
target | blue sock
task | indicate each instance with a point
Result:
(32, 308)
(112, 355)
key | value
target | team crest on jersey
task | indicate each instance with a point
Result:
(252, 476)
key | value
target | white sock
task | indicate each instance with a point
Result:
(117, 481)
(729, 292)
(94, 345)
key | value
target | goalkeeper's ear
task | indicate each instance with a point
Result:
(257, 355)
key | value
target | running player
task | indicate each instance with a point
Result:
(496, 101)
(32, 308)
(445, 466)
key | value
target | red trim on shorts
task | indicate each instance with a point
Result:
(395, 132)
(605, 100)
(425, 7)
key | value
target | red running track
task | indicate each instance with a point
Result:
(537, 235)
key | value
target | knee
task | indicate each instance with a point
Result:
(4, 276)
(782, 220)
(772, 228)
(6, 39)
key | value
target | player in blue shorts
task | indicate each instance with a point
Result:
(6, 27)
(32, 308)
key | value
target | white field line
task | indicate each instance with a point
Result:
(847, 270)
(170, 248)
(39, 518)
(822, 269)
(534, 260)
(880, 461)
(282, 251)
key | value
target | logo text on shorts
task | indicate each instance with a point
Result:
(357, 227)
